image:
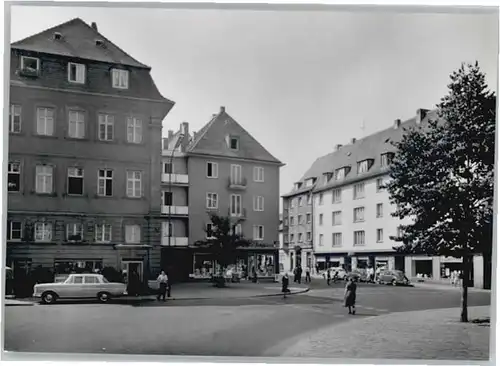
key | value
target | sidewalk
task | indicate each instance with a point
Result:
(440, 285)
(429, 334)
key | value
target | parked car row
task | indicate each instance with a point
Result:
(384, 277)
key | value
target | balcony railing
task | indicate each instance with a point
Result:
(237, 184)
(241, 215)
(176, 178)
(174, 241)
(174, 210)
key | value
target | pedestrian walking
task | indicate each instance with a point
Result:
(371, 274)
(163, 281)
(336, 277)
(299, 274)
(328, 276)
(350, 296)
(284, 285)
(308, 275)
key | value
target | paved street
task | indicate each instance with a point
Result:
(254, 326)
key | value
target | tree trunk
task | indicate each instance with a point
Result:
(465, 283)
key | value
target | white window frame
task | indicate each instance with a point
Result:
(379, 213)
(76, 124)
(231, 138)
(235, 204)
(212, 201)
(300, 238)
(74, 228)
(258, 232)
(292, 221)
(380, 235)
(215, 170)
(105, 230)
(258, 203)
(79, 73)
(134, 130)
(336, 239)
(320, 241)
(45, 123)
(386, 159)
(358, 191)
(337, 195)
(321, 199)
(258, 174)
(309, 199)
(134, 184)
(292, 238)
(133, 234)
(336, 215)
(47, 174)
(120, 78)
(308, 218)
(11, 230)
(45, 229)
(362, 166)
(108, 121)
(378, 184)
(299, 219)
(103, 181)
(14, 168)
(359, 234)
(236, 174)
(359, 214)
(340, 174)
(308, 236)
(15, 111)
(77, 173)
(23, 58)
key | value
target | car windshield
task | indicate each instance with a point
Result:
(399, 274)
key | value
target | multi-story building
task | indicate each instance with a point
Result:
(84, 166)
(220, 169)
(352, 221)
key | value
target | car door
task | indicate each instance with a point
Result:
(76, 287)
(90, 286)
(383, 276)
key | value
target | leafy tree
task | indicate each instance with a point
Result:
(223, 242)
(442, 176)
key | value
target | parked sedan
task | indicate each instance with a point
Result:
(359, 275)
(393, 277)
(80, 286)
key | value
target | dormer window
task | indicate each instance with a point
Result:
(119, 78)
(234, 143)
(364, 166)
(76, 73)
(57, 36)
(99, 43)
(298, 185)
(326, 177)
(386, 159)
(30, 65)
(341, 173)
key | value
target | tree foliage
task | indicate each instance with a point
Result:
(442, 175)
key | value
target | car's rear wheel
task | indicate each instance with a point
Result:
(103, 297)
(49, 297)
(393, 282)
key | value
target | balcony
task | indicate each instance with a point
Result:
(177, 179)
(242, 215)
(237, 184)
(174, 241)
(175, 210)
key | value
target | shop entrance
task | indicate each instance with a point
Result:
(423, 268)
(133, 268)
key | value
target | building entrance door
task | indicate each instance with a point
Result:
(133, 268)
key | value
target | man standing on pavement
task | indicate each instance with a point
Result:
(308, 275)
(163, 281)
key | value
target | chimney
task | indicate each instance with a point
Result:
(397, 123)
(222, 109)
(185, 128)
(421, 113)
(185, 139)
(353, 140)
(338, 147)
(94, 26)
(170, 135)
(165, 143)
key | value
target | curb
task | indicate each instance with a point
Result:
(238, 297)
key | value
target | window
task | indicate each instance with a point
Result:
(90, 280)
(300, 237)
(238, 230)
(75, 181)
(258, 174)
(234, 143)
(380, 184)
(210, 230)
(103, 233)
(292, 238)
(212, 200)
(43, 231)
(359, 214)
(133, 234)
(212, 170)
(167, 229)
(320, 219)
(286, 221)
(321, 199)
(14, 177)
(30, 64)
(309, 199)
(120, 78)
(106, 127)
(44, 175)
(76, 73)
(337, 239)
(380, 210)
(45, 121)
(14, 230)
(168, 198)
(386, 159)
(76, 125)
(308, 218)
(299, 219)
(236, 205)
(78, 279)
(300, 201)
(236, 177)
(258, 203)
(337, 195)
(15, 118)
(359, 190)
(337, 218)
(74, 232)
(292, 221)
(340, 174)
(359, 237)
(321, 240)
(363, 166)
(308, 236)
(134, 184)
(134, 130)
(380, 235)
(168, 168)
(105, 183)
(258, 232)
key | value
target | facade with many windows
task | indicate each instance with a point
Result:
(84, 169)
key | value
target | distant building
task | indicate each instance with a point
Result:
(351, 212)
(221, 169)
(84, 167)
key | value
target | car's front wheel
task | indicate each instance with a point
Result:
(103, 297)
(49, 297)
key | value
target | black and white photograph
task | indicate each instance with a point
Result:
(302, 182)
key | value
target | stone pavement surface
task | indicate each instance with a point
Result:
(428, 334)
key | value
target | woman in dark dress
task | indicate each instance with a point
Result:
(284, 285)
(350, 296)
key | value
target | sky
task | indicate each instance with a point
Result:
(299, 81)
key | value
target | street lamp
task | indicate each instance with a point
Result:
(177, 144)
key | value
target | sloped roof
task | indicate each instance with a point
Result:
(212, 140)
(79, 41)
(370, 147)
